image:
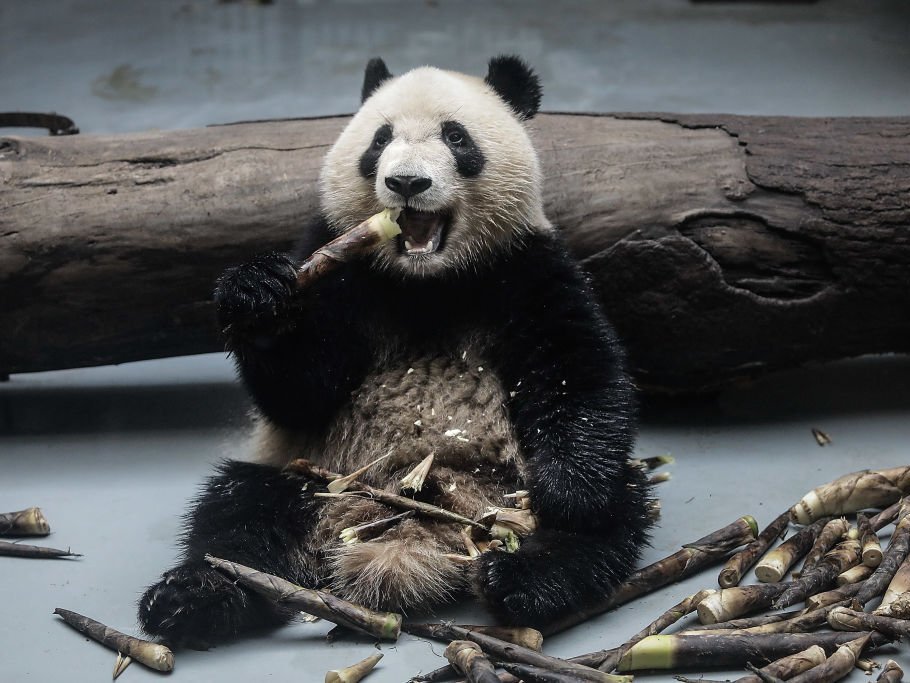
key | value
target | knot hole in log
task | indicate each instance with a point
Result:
(9, 148)
(754, 256)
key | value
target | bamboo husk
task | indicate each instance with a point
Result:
(735, 649)
(900, 585)
(856, 574)
(853, 492)
(733, 571)
(668, 618)
(153, 655)
(390, 499)
(729, 603)
(872, 547)
(692, 558)
(845, 619)
(342, 483)
(789, 666)
(39, 552)
(469, 659)
(524, 673)
(500, 649)
(28, 522)
(385, 625)
(867, 665)
(368, 530)
(827, 537)
(838, 665)
(352, 244)
(891, 673)
(774, 566)
(355, 672)
(120, 665)
(900, 607)
(835, 595)
(845, 555)
(413, 480)
(894, 556)
(520, 521)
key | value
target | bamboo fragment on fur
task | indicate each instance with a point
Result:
(355, 672)
(469, 659)
(414, 480)
(153, 655)
(732, 572)
(693, 557)
(385, 625)
(39, 552)
(342, 483)
(368, 530)
(28, 522)
(353, 243)
(854, 492)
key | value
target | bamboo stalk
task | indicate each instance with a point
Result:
(353, 243)
(153, 655)
(524, 636)
(368, 530)
(775, 564)
(733, 571)
(891, 673)
(789, 666)
(524, 673)
(736, 649)
(469, 659)
(742, 624)
(838, 665)
(34, 551)
(385, 625)
(853, 492)
(692, 558)
(499, 649)
(872, 548)
(28, 522)
(835, 595)
(730, 603)
(886, 516)
(900, 585)
(856, 574)
(845, 554)
(830, 534)
(894, 556)
(845, 619)
(355, 672)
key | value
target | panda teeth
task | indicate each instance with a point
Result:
(428, 248)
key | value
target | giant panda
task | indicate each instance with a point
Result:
(473, 336)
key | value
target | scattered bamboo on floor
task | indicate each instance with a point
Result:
(502, 650)
(845, 619)
(729, 649)
(692, 558)
(827, 536)
(803, 623)
(775, 565)
(34, 551)
(729, 603)
(835, 595)
(355, 672)
(384, 625)
(853, 492)
(838, 665)
(413, 480)
(845, 555)
(789, 666)
(856, 574)
(872, 548)
(368, 530)
(895, 555)
(525, 636)
(353, 243)
(28, 522)
(899, 586)
(468, 659)
(120, 665)
(153, 655)
(524, 673)
(742, 624)
(891, 673)
(733, 571)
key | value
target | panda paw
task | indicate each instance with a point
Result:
(258, 294)
(194, 606)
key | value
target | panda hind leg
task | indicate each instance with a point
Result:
(249, 513)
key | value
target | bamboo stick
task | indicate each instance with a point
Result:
(832, 596)
(153, 655)
(892, 559)
(856, 574)
(872, 548)
(733, 571)
(469, 659)
(853, 492)
(774, 566)
(34, 551)
(28, 522)
(789, 666)
(899, 585)
(845, 619)
(845, 554)
(827, 537)
(355, 672)
(368, 530)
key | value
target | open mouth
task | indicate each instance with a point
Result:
(422, 232)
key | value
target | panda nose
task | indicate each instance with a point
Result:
(407, 185)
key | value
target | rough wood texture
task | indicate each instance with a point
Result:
(722, 246)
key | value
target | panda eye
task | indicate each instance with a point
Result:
(454, 137)
(380, 141)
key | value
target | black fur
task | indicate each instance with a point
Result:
(300, 354)
(249, 513)
(469, 160)
(516, 83)
(375, 75)
(369, 160)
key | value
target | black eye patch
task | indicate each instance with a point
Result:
(469, 160)
(369, 160)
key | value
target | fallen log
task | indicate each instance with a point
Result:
(742, 244)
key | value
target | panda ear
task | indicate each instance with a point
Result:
(375, 75)
(516, 83)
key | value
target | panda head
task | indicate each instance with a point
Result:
(452, 151)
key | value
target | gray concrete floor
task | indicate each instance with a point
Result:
(112, 454)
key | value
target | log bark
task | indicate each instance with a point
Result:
(721, 246)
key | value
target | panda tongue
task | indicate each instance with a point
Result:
(418, 227)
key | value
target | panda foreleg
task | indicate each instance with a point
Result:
(254, 514)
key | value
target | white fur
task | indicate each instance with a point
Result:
(490, 212)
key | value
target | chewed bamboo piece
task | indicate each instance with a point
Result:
(854, 492)
(891, 673)
(28, 522)
(872, 547)
(790, 666)
(340, 484)
(838, 665)
(741, 562)
(34, 551)
(469, 659)
(385, 625)
(827, 536)
(845, 555)
(856, 574)
(352, 244)
(355, 672)
(899, 586)
(153, 655)
(692, 558)
(413, 480)
(845, 619)
(120, 665)
(775, 565)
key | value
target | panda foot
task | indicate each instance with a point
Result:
(195, 606)
(257, 293)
